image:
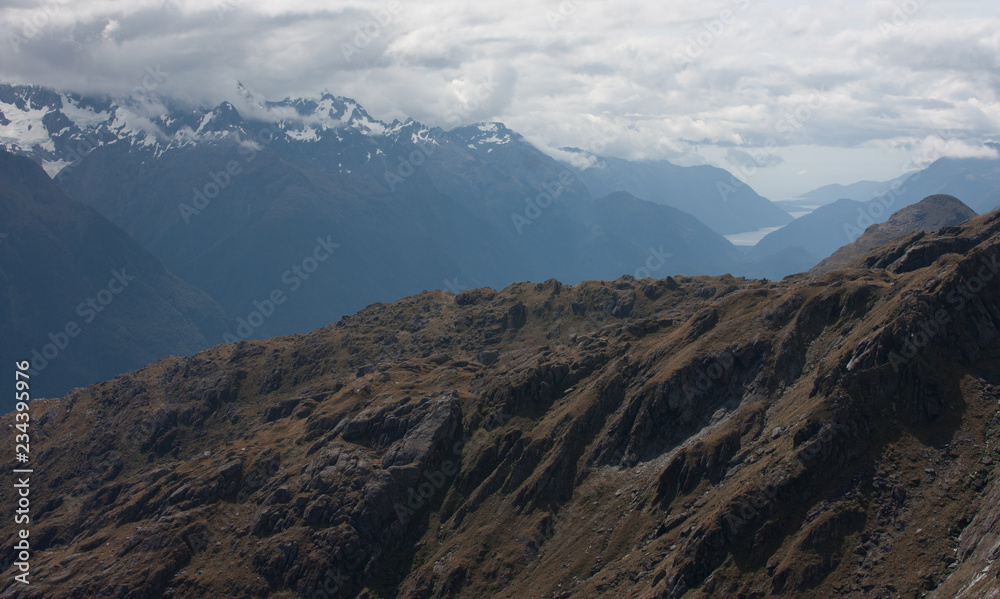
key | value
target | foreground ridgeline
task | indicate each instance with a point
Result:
(828, 435)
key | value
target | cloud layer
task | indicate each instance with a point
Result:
(714, 81)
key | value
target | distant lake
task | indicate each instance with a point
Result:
(797, 208)
(752, 237)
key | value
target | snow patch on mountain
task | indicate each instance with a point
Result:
(25, 129)
(52, 127)
(423, 136)
(140, 130)
(485, 136)
(306, 119)
(83, 117)
(52, 167)
(306, 134)
(498, 137)
(204, 121)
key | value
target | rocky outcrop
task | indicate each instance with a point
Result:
(928, 215)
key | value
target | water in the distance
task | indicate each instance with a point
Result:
(752, 237)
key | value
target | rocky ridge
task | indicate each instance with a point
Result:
(929, 214)
(830, 435)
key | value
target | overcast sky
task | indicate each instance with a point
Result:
(787, 96)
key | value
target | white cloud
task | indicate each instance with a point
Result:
(111, 29)
(756, 69)
(924, 151)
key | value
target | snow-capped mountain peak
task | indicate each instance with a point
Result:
(59, 129)
(486, 136)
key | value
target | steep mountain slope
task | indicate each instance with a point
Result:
(244, 207)
(80, 298)
(711, 194)
(710, 436)
(929, 214)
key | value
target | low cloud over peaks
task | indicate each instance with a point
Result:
(727, 74)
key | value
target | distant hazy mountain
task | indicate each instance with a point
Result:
(329, 210)
(862, 191)
(975, 180)
(80, 299)
(820, 233)
(930, 214)
(815, 233)
(712, 194)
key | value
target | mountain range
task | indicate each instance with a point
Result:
(671, 430)
(711, 194)
(289, 215)
(237, 207)
(862, 191)
(804, 242)
(826, 435)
